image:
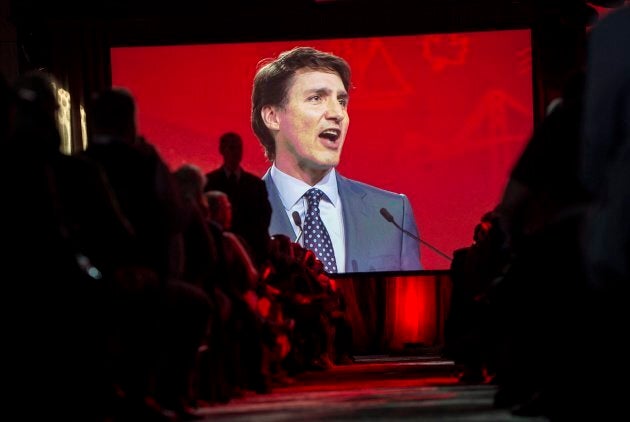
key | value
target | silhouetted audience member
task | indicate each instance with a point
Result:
(606, 239)
(606, 153)
(163, 328)
(539, 300)
(65, 238)
(474, 268)
(241, 274)
(141, 180)
(251, 210)
(239, 280)
(198, 255)
(205, 264)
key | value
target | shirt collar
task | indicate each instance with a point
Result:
(237, 172)
(291, 189)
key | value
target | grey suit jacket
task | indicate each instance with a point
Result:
(372, 243)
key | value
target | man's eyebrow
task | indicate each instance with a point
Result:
(326, 91)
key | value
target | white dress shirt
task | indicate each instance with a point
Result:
(292, 192)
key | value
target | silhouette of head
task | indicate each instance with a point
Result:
(219, 208)
(113, 113)
(190, 180)
(231, 148)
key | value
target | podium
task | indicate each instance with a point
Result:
(395, 311)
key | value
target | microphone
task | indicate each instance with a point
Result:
(390, 218)
(298, 222)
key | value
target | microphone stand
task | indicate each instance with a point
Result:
(390, 218)
(298, 222)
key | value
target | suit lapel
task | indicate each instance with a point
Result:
(355, 220)
(280, 223)
(355, 217)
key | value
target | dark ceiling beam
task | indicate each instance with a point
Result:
(322, 20)
(272, 13)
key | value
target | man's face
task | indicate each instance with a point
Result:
(312, 125)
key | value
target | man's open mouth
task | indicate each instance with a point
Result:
(330, 134)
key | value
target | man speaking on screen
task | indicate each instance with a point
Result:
(300, 115)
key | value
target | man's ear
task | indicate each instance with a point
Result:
(269, 115)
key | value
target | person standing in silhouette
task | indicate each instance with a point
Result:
(247, 193)
(605, 172)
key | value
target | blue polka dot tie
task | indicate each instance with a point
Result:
(316, 236)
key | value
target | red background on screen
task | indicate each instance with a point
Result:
(440, 118)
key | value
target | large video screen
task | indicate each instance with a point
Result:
(441, 118)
